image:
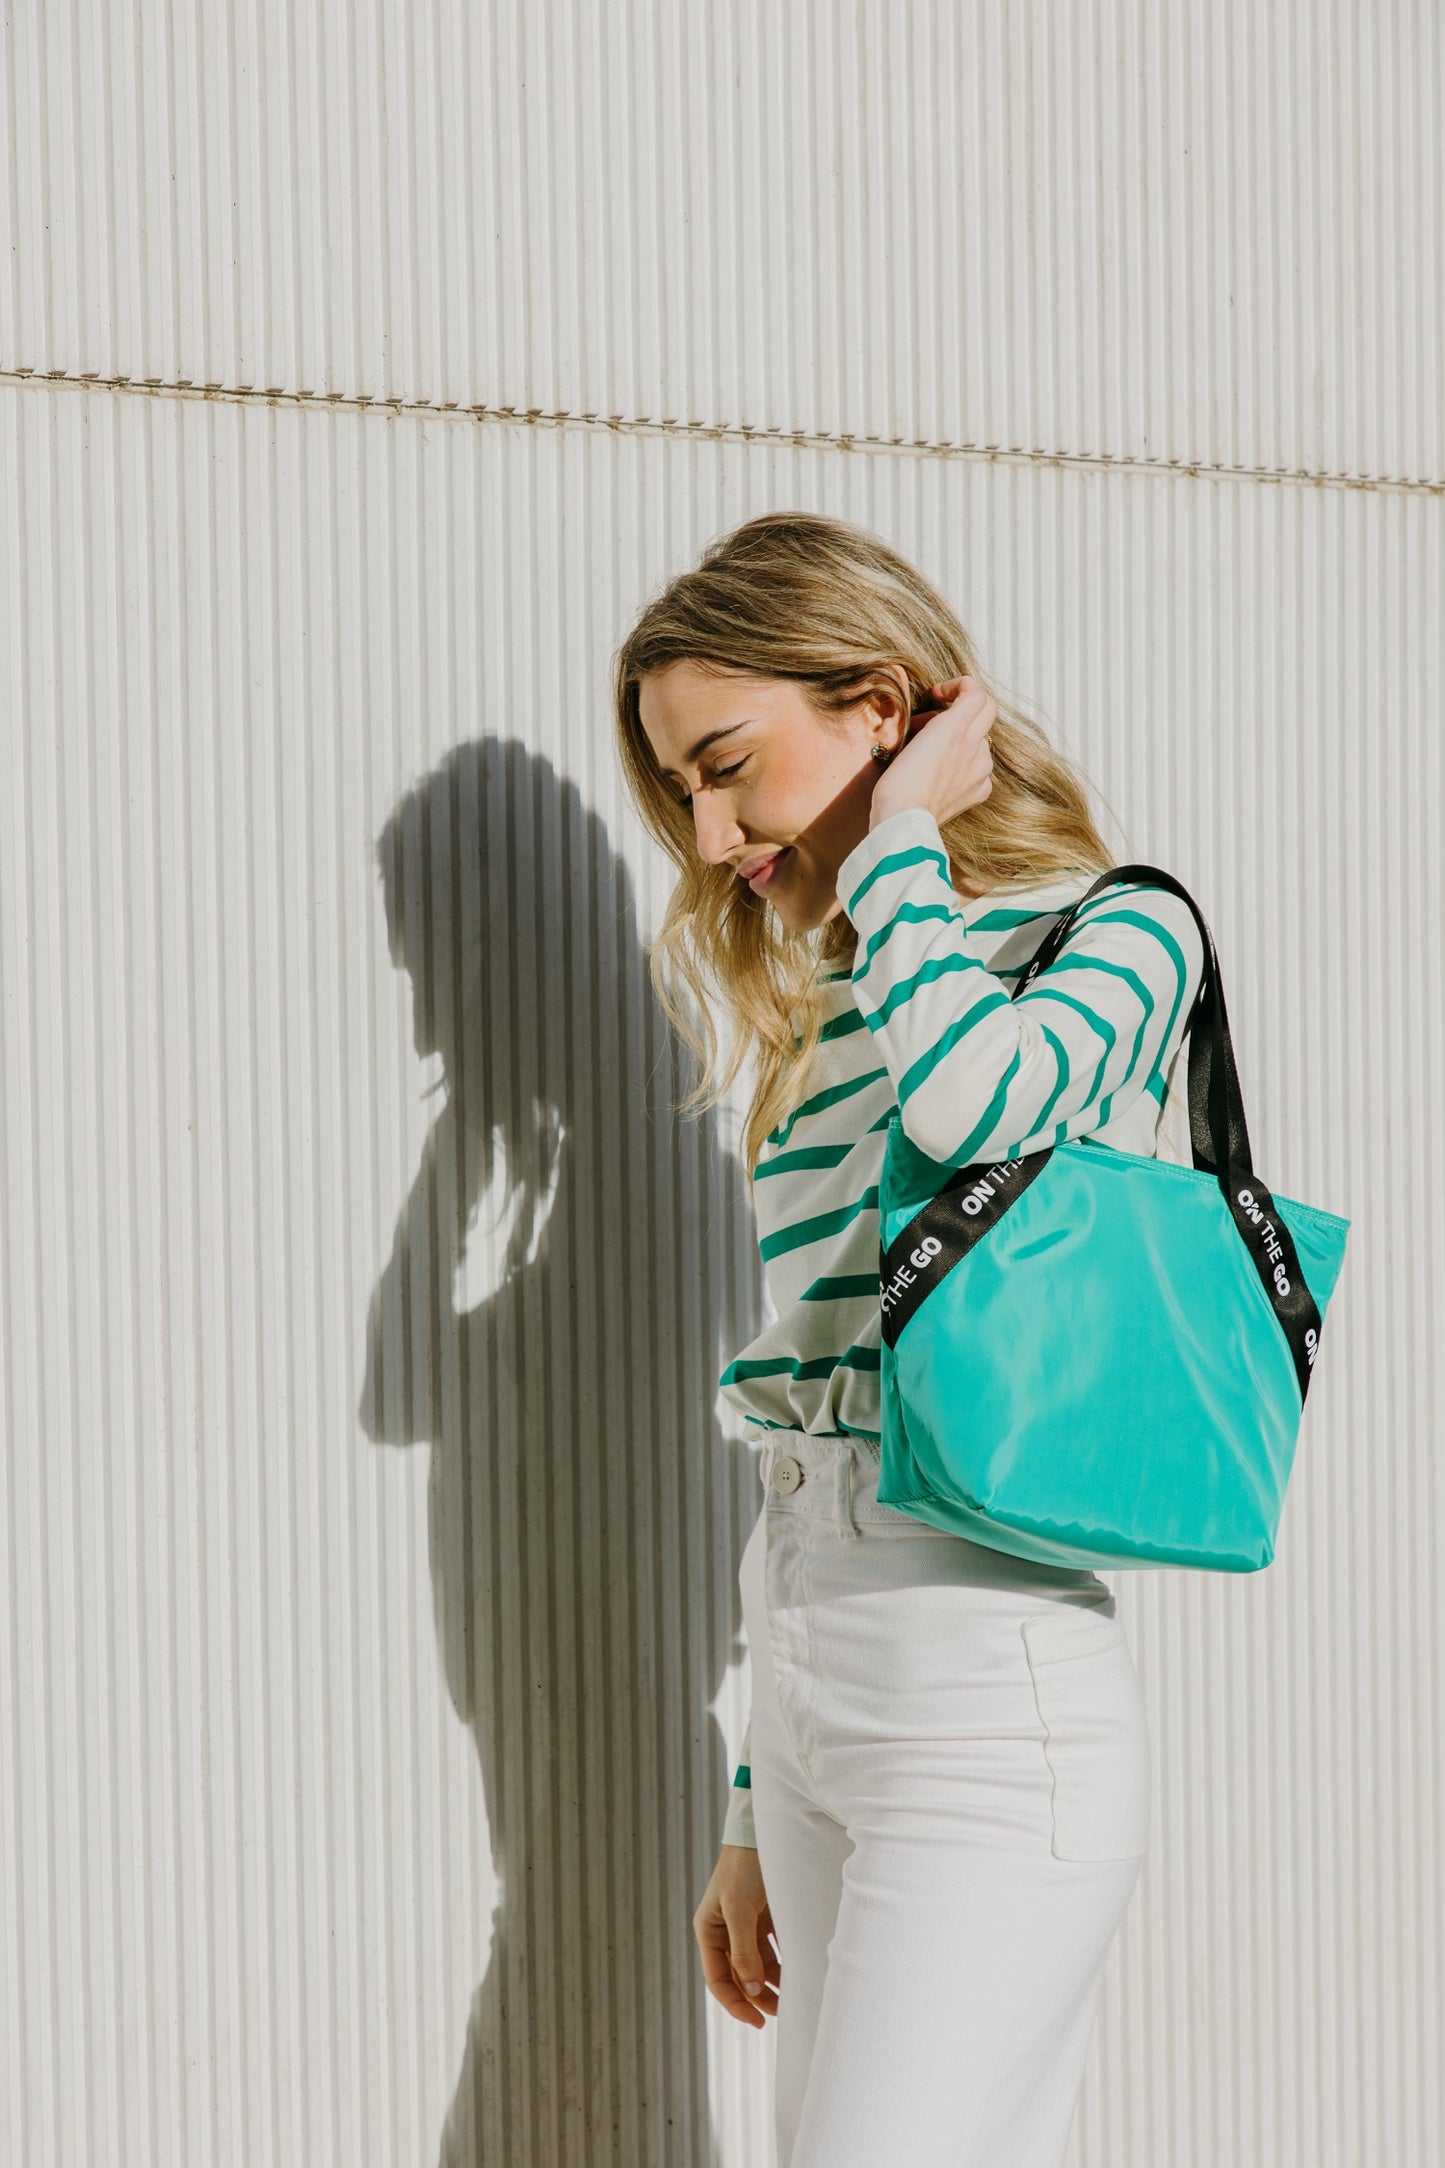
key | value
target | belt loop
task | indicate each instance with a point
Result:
(843, 1493)
(766, 1458)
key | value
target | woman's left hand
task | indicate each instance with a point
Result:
(945, 765)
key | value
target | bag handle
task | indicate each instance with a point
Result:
(1218, 1132)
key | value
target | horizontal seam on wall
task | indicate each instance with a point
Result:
(725, 432)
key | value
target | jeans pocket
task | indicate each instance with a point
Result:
(1096, 1733)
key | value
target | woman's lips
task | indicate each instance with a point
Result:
(758, 881)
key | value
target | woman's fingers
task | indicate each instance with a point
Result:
(962, 696)
(976, 709)
(730, 1962)
(945, 766)
(718, 1978)
(754, 1966)
(733, 1924)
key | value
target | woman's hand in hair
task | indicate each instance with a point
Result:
(945, 765)
(732, 1924)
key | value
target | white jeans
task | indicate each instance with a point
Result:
(951, 1789)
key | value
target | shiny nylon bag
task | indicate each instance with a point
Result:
(1094, 1358)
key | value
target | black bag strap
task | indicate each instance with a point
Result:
(974, 1198)
(1218, 1132)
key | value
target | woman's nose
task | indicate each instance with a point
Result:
(717, 832)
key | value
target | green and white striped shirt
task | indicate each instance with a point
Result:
(925, 1022)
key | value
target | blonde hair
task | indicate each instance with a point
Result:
(803, 596)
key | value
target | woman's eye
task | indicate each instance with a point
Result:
(720, 775)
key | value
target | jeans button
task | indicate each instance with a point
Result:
(787, 1473)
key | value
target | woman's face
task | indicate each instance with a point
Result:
(775, 778)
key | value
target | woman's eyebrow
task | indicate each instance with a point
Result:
(695, 752)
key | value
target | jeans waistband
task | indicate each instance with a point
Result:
(831, 1465)
(838, 1481)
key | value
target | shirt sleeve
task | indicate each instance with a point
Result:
(738, 1821)
(978, 1075)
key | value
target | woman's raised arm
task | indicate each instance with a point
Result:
(978, 1075)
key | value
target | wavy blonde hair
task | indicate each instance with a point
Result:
(803, 596)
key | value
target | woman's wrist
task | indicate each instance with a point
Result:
(882, 807)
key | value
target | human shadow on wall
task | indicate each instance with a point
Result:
(551, 1322)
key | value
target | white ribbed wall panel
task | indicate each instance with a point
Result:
(370, 1653)
(1176, 232)
(362, 1526)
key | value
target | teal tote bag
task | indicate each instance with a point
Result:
(1093, 1358)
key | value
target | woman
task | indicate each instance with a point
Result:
(942, 1807)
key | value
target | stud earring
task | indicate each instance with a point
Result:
(881, 752)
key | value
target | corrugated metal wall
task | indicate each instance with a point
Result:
(370, 1642)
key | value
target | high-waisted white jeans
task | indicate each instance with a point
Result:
(951, 1791)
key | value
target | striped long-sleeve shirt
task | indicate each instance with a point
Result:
(925, 1022)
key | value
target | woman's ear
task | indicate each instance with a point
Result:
(890, 697)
